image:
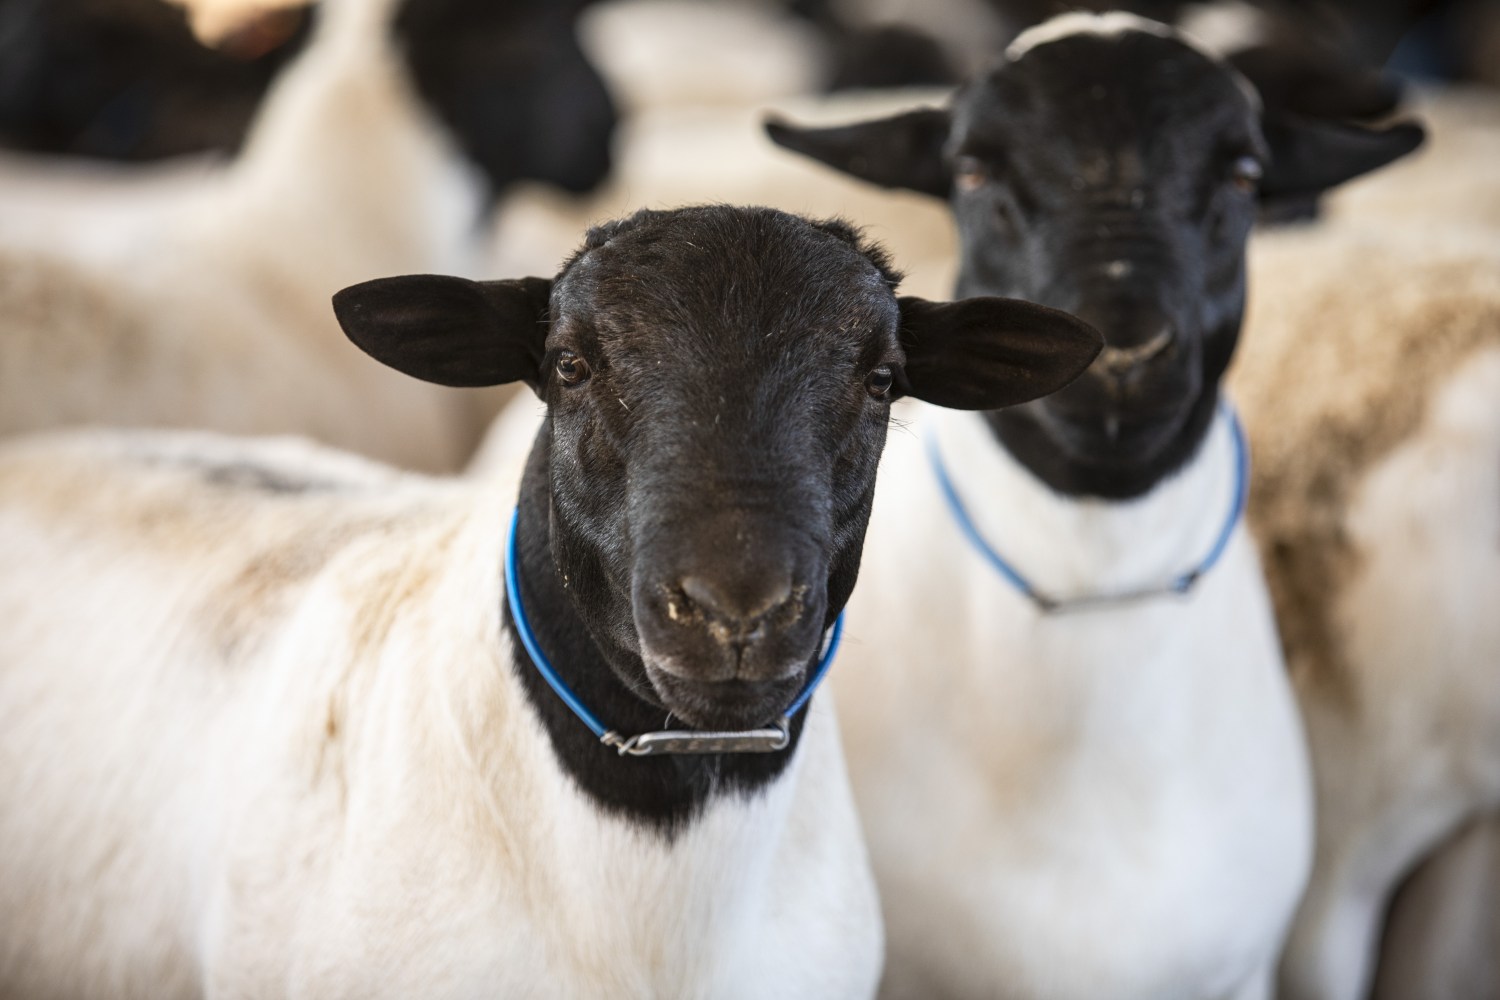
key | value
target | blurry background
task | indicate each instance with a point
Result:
(183, 185)
(590, 109)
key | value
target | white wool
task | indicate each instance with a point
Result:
(680, 53)
(1102, 803)
(1225, 26)
(212, 309)
(1114, 22)
(271, 743)
(1371, 378)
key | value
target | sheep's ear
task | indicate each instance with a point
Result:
(1310, 156)
(985, 353)
(901, 152)
(1325, 88)
(451, 331)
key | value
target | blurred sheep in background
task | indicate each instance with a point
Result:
(376, 151)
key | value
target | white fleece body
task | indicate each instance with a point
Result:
(1411, 749)
(269, 742)
(1105, 803)
(212, 310)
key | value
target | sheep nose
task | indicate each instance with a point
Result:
(739, 610)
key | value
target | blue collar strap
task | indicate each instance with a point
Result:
(765, 740)
(1055, 605)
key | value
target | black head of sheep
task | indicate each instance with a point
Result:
(1110, 168)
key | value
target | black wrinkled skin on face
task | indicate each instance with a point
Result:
(725, 428)
(1098, 150)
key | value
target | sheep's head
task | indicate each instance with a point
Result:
(718, 383)
(1111, 168)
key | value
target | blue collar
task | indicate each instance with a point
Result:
(766, 740)
(1182, 584)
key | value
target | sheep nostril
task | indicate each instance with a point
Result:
(740, 611)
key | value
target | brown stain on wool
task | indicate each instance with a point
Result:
(387, 591)
(1349, 337)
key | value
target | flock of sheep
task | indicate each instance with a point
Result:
(455, 637)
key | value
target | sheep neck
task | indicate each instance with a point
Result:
(663, 794)
(1180, 582)
(1074, 548)
(1026, 440)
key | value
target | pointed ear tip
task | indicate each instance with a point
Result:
(1413, 132)
(355, 298)
(1085, 337)
(346, 302)
(1089, 339)
(780, 131)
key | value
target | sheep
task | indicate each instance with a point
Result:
(1440, 934)
(273, 723)
(211, 312)
(1371, 384)
(1075, 782)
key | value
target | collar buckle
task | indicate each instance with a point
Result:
(669, 741)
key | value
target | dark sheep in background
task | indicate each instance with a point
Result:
(127, 80)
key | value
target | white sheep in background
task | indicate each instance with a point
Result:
(212, 311)
(1370, 381)
(266, 720)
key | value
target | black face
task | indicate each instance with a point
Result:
(714, 447)
(718, 382)
(1114, 175)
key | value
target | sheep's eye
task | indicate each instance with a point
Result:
(969, 174)
(1246, 174)
(571, 369)
(879, 382)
